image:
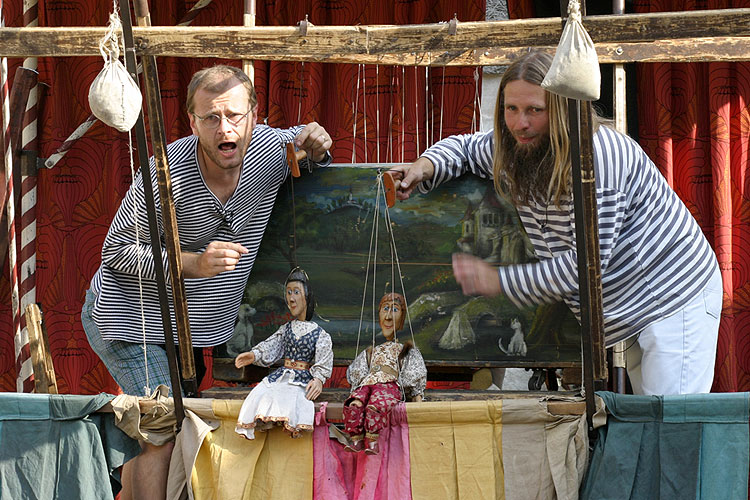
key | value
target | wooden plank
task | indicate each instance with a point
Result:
(336, 397)
(45, 381)
(397, 44)
(334, 410)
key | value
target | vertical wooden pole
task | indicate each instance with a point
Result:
(587, 246)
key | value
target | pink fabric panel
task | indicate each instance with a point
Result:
(358, 476)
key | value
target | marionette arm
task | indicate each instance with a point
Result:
(413, 375)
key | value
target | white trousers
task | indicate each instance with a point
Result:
(676, 355)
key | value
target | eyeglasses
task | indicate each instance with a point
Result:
(213, 120)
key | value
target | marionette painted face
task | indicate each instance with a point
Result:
(391, 314)
(295, 299)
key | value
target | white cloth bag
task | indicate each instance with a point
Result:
(574, 72)
(114, 97)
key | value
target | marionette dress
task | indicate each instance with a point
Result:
(279, 399)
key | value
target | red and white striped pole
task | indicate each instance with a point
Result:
(23, 360)
(27, 285)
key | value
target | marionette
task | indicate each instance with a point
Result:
(285, 397)
(381, 376)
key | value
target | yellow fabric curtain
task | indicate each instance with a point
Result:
(509, 449)
(271, 466)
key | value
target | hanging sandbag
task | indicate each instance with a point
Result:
(113, 96)
(574, 72)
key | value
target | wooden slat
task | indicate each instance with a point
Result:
(45, 381)
(666, 35)
(334, 410)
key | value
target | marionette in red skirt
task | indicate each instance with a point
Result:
(382, 376)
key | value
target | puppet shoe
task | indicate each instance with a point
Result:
(356, 444)
(372, 446)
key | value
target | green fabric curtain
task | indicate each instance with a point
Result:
(671, 447)
(55, 446)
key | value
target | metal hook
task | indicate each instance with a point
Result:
(303, 26)
(452, 24)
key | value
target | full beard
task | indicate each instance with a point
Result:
(527, 168)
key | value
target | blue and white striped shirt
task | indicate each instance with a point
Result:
(212, 302)
(654, 256)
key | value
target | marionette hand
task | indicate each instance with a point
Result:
(313, 389)
(219, 256)
(475, 276)
(315, 141)
(411, 175)
(244, 359)
(417, 398)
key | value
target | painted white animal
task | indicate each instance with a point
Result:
(242, 339)
(517, 345)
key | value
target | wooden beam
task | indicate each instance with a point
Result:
(725, 36)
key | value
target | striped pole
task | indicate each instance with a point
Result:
(86, 125)
(27, 285)
(23, 359)
(193, 13)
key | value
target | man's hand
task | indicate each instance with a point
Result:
(244, 359)
(411, 175)
(315, 141)
(313, 389)
(219, 256)
(475, 276)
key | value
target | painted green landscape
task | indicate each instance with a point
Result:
(328, 228)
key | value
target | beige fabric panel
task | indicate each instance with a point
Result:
(271, 466)
(505, 449)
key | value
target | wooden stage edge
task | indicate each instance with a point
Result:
(336, 397)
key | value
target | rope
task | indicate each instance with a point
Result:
(139, 261)
(416, 109)
(109, 48)
(398, 265)
(442, 101)
(354, 119)
(372, 257)
(377, 112)
(367, 274)
(403, 111)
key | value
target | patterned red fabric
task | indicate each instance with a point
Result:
(78, 198)
(694, 125)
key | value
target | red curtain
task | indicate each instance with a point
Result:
(693, 122)
(78, 198)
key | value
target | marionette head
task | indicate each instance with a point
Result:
(392, 312)
(298, 295)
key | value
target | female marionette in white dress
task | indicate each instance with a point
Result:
(285, 397)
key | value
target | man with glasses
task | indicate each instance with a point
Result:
(224, 182)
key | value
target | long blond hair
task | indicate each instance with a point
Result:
(531, 68)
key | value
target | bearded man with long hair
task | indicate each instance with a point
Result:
(661, 286)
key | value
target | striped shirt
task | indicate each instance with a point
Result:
(212, 302)
(654, 257)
